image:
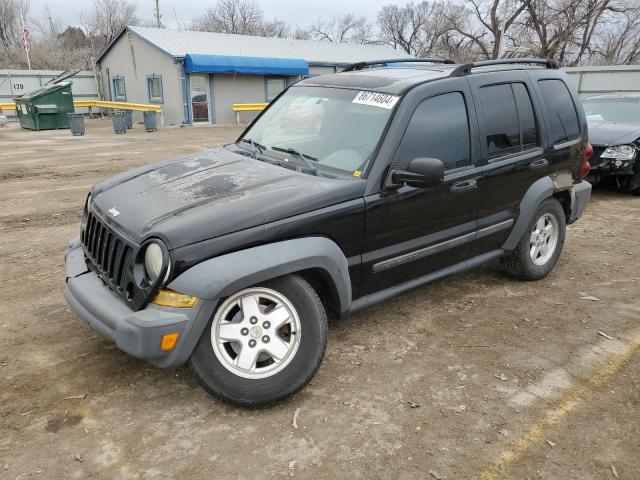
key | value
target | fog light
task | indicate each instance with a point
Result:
(169, 341)
(169, 298)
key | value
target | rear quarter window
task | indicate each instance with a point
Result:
(561, 112)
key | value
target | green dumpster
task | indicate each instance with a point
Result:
(45, 108)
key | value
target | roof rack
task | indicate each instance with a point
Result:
(466, 68)
(362, 65)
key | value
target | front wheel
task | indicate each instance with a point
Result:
(263, 344)
(539, 248)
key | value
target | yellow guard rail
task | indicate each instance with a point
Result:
(247, 107)
(140, 107)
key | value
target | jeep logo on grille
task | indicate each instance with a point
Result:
(113, 212)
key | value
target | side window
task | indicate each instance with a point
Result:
(439, 128)
(119, 92)
(154, 88)
(561, 111)
(528, 126)
(500, 120)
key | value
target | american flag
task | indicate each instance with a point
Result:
(25, 36)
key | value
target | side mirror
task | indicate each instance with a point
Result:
(421, 172)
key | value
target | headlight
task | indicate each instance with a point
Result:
(620, 152)
(153, 261)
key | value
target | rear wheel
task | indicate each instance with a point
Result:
(539, 248)
(264, 343)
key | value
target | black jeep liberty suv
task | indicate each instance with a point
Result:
(346, 191)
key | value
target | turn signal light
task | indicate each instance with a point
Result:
(169, 298)
(169, 341)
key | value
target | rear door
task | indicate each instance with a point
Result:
(512, 151)
(411, 232)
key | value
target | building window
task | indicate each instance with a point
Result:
(154, 88)
(273, 86)
(119, 91)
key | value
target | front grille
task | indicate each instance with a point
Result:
(109, 254)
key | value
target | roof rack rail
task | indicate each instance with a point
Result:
(466, 68)
(362, 65)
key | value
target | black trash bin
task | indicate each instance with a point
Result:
(129, 118)
(150, 121)
(119, 122)
(76, 123)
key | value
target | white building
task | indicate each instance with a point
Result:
(197, 76)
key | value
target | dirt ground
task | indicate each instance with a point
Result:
(476, 376)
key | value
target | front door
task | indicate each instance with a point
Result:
(412, 232)
(199, 97)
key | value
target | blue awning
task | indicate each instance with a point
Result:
(197, 63)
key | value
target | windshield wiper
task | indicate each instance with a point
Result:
(257, 148)
(304, 158)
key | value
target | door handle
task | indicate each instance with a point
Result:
(541, 163)
(464, 186)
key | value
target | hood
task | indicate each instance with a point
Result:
(212, 193)
(605, 134)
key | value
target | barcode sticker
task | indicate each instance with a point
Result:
(375, 99)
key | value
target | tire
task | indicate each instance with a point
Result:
(525, 263)
(270, 378)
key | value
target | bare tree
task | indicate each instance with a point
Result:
(345, 29)
(423, 29)
(243, 17)
(484, 24)
(274, 28)
(106, 19)
(618, 41)
(565, 29)
(10, 25)
(402, 27)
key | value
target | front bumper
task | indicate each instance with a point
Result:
(611, 166)
(580, 195)
(138, 333)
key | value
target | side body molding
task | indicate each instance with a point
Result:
(541, 189)
(221, 276)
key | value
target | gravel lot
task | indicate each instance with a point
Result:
(476, 376)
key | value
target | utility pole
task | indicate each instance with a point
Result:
(158, 13)
(505, 14)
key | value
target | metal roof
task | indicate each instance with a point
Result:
(179, 43)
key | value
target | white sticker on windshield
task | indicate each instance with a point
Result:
(376, 99)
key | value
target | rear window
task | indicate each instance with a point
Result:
(528, 126)
(500, 120)
(561, 112)
(508, 119)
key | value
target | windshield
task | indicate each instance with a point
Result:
(615, 110)
(328, 128)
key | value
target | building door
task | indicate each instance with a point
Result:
(199, 97)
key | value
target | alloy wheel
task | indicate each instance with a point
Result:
(544, 239)
(255, 333)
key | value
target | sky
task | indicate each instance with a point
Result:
(295, 12)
